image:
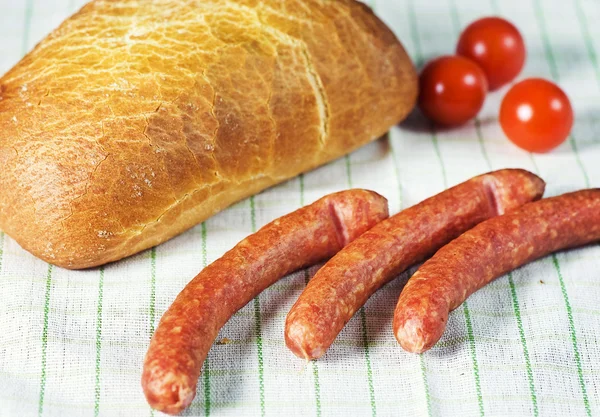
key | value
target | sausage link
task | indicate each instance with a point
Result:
(345, 283)
(189, 327)
(486, 252)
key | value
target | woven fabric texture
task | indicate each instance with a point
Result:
(72, 343)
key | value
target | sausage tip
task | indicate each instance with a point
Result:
(295, 339)
(419, 323)
(170, 394)
(410, 336)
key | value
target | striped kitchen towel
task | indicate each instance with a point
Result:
(72, 342)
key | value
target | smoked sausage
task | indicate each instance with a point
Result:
(486, 252)
(189, 327)
(345, 283)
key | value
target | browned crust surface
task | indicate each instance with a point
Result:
(131, 123)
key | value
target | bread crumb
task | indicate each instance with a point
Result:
(224, 341)
(542, 282)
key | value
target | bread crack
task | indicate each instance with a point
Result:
(313, 77)
(146, 129)
(214, 116)
(85, 192)
(90, 176)
(212, 108)
(320, 96)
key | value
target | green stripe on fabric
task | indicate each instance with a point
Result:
(258, 329)
(455, 18)
(418, 58)
(554, 71)
(24, 49)
(594, 60)
(391, 145)
(586, 177)
(397, 173)
(482, 144)
(253, 214)
(152, 312)
(436, 148)
(425, 383)
(152, 290)
(98, 343)
(517, 310)
(365, 336)
(45, 340)
(535, 165)
(471, 339)
(26, 26)
(589, 43)
(317, 385)
(317, 388)
(573, 333)
(414, 33)
(301, 180)
(315, 367)
(539, 13)
(549, 54)
(495, 6)
(515, 300)
(259, 346)
(363, 319)
(348, 170)
(513, 292)
(206, 369)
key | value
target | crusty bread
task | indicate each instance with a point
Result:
(136, 120)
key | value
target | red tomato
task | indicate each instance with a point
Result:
(451, 90)
(497, 46)
(536, 115)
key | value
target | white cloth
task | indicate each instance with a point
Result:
(72, 343)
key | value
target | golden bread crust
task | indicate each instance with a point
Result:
(131, 123)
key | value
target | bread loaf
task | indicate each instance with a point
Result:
(136, 120)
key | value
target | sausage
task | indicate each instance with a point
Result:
(345, 283)
(189, 327)
(486, 252)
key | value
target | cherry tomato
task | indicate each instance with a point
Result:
(536, 115)
(497, 46)
(451, 90)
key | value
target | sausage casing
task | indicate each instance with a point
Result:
(486, 252)
(345, 283)
(189, 327)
